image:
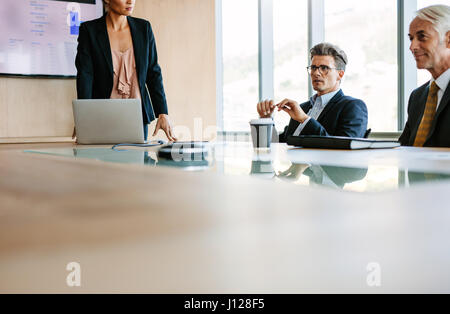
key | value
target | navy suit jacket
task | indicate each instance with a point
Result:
(440, 129)
(342, 116)
(95, 74)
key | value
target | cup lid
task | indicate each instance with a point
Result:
(265, 121)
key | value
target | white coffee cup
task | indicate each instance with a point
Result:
(261, 130)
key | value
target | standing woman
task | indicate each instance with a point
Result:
(117, 58)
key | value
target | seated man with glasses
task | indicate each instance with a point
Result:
(329, 112)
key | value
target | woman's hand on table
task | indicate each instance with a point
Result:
(164, 124)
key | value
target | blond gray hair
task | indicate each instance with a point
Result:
(439, 16)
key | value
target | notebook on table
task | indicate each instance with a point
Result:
(338, 142)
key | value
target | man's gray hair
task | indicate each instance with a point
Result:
(327, 49)
(439, 16)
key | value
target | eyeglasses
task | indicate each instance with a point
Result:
(323, 69)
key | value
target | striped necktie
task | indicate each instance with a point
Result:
(428, 116)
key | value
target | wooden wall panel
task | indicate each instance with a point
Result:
(3, 109)
(36, 107)
(185, 34)
(187, 56)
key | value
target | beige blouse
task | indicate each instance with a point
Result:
(125, 78)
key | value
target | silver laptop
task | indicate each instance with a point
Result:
(108, 121)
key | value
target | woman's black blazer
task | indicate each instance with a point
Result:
(95, 67)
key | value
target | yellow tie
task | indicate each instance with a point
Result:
(428, 116)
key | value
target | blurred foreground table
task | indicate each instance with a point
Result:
(281, 221)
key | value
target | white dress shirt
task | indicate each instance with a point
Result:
(442, 82)
(318, 105)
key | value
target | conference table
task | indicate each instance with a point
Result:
(234, 220)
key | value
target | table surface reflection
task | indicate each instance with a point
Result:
(356, 171)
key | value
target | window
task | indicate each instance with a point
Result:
(370, 42)
(240, 63)
(290, 25)
(424, 76)
(366, 30)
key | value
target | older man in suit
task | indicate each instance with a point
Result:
(428, 122)
(329, 112)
